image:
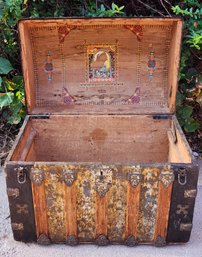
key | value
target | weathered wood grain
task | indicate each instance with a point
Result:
(70, 65)
(40, 209)
(70, 210)
(132, 210)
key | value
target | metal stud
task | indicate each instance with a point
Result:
(43, 240)
(131, 241)
(72, 240)
(37, 176)
(102, 240)
(68, 176)
(166, 177)
(160, 241)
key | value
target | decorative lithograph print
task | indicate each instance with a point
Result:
(101, 63)
(151, 64)
(48, 66)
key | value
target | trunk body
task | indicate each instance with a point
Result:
(101, 157)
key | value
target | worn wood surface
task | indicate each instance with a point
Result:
(112, 205)
(40, 209)
(70, 210)
(132, 210)
(77, 195)
(132, 90)
(99, 138)
(163, 211)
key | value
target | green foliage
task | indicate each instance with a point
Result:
(189, 98)
(103, 11)
(11, 85)
(11, 94)
(5, 66)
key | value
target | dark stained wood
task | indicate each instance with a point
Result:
(182, 205)
(21, 206)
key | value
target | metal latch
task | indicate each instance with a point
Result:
(182, 176)
(21, 175)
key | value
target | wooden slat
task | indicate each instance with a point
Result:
(22, 139)
(132, 210)
(70, 210)
(27, 145)
(40, 210)
(173, 66)
(101, 218)
(163, 210)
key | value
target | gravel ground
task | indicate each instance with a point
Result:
(11, 248)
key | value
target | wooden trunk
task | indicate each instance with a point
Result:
(101, 157)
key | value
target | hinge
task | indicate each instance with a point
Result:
(161, 116)
(40, 116)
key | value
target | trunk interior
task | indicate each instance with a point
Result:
(102, 138)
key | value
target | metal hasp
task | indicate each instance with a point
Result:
(103, 181)
(182, 176)
(21, 175)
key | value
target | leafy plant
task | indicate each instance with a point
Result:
(11, 94)
(189, 97)
(103, 11)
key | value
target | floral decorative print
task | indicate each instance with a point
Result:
(101, 63)
(135, 98)
(166, 176)
(151, 64)
(67, 98)
(48, 66)
(63, 31)
(137, 30)
(148, 204)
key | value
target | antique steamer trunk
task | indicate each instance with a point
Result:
(101, 157)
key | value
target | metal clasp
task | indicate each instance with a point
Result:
(21, 175)
(182, 177)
